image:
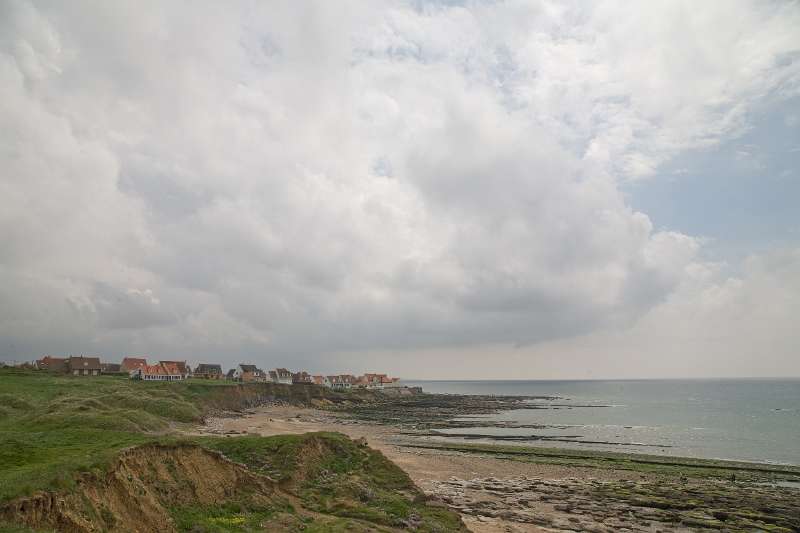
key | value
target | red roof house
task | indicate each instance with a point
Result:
(129, 364)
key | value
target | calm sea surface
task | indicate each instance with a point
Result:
(753, 420)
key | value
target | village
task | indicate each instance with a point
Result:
(138, 368)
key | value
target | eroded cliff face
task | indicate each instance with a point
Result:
(283, 483)
(136, 494)
(249, 395)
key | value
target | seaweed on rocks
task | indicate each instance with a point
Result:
(429, 411)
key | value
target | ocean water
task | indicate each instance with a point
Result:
(749, 419)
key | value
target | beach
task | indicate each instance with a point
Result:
(498, 494)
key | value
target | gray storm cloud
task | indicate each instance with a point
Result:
(297, 180)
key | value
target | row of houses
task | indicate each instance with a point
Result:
(251, 373)
(138, 368)
(75, 365)
(367, 381)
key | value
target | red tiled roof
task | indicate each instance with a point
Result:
(164, 368)
(132, 363)
(171, 368)
(154, 370)
(180, 365)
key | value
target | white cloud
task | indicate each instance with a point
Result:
(712, 325)
(300, 180)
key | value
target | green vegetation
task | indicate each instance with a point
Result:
(333, 475)
(55, 428)
(232, 516)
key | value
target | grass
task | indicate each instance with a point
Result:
(54, 426)
(232, 516)
(333, 475)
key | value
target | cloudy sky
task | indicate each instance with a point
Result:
(477, 189)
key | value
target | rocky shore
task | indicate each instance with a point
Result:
(616, 506)
(437, 415)
(439, 411)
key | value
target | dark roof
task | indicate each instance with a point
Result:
(83, 363)
(249, 368)
(231, 372)
(111, 367)
(204, 368)
(53, 364)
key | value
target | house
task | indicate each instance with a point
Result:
(83, 366)
(231, 375)
(129, 364)
(342, 382)
(52, 364)
(159, 372)
(208, 371)
(373, 381)
(302, 377)
(111, 368)
(249, 373)
(321, 380)
(280, 375)
(180, 366)
(392, 383)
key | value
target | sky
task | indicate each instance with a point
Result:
(464, 190)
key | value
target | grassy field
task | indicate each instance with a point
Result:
(53, 428)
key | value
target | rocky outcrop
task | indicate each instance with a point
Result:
(604, 507)
(249, 395)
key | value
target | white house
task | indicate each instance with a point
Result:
(322, 380)
(159, 372)
(342, 382)
(245, 372)
(280, 375)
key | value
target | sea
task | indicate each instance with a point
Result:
(754, 420)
